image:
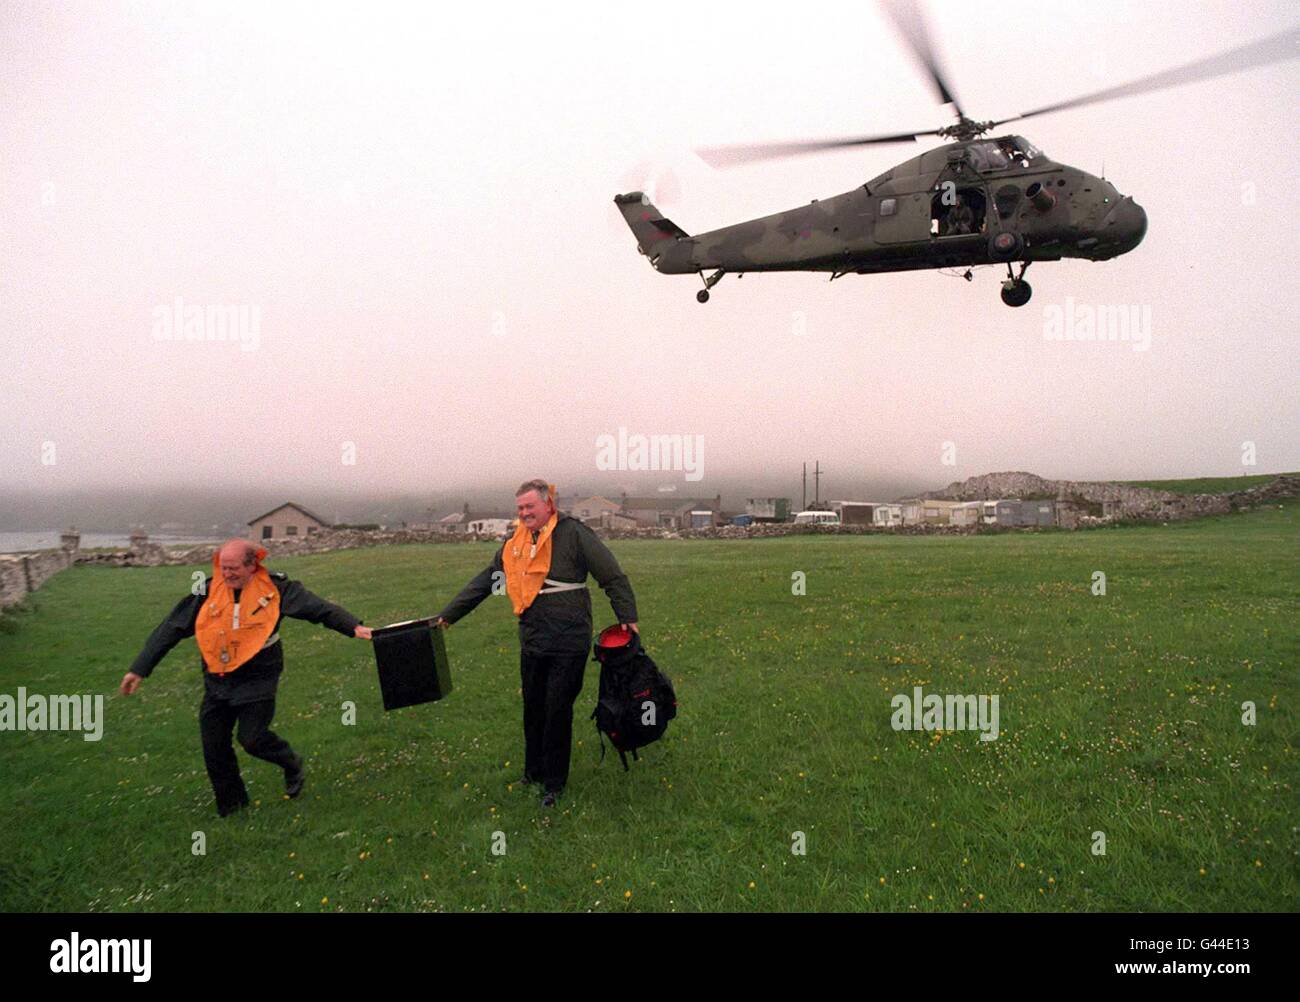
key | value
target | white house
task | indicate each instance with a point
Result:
(887, 515)
(488, 526)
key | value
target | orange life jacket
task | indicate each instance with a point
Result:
(229, 633)
(527, 563)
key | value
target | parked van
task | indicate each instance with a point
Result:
(817, 518)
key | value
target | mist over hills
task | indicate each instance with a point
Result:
(228, 511)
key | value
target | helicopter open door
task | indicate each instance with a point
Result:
(958, 211)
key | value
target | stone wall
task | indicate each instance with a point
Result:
(22, 573)
(770, 529)
(329, 540)
(325, 541)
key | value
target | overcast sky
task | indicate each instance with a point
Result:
(416, 205)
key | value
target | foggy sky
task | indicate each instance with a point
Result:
(417, 205)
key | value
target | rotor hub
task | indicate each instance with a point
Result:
(965, 129)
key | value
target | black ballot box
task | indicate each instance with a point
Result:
(412, 660)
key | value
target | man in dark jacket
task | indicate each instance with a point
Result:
(240, 606)
(543, 568)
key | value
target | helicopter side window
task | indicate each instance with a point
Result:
(888, 206)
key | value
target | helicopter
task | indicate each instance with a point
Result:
(978, 200)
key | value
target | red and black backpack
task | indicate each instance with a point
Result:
(636, 698)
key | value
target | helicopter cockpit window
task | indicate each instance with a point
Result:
(987, 156)
(1025, 148)
(1006, 153)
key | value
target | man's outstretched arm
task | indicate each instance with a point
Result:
(178, 625)
(479, 588)
(297, 602)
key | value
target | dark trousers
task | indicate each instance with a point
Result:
(218, 719)
(551, 683)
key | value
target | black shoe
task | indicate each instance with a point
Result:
(294, 776)
(550, 798)
(525, 780)
(230, 809)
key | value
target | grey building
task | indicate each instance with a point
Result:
(286, 521)
(670, 512)
(1039, 512)
(855, 512)
(768, 509)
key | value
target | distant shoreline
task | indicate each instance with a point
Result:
(28, 542)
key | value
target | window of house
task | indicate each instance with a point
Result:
(266, 532)
(291, 530)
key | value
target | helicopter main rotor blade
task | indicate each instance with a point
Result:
(735, 156)
(1267, 50)
(909, 19)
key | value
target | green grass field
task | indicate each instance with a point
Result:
(1119, 714)
(1209, 485)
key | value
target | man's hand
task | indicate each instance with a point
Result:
(362, 632)
(630, 626)
(130, 682)
(441, 623)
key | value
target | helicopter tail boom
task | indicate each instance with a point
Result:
(656, 236)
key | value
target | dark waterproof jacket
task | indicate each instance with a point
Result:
(558, 623)
(256, 678)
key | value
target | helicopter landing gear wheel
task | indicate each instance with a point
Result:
(1016, 292)
(703, 295)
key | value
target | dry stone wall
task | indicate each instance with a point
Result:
(22, 573)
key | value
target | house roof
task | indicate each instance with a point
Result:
(465, 517)
(289, 504)
(665, 504)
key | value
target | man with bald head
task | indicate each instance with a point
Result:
(235, 619)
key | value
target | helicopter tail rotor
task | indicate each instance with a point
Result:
(655, 234)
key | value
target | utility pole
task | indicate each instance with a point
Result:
(804, 505)
(817, 484)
